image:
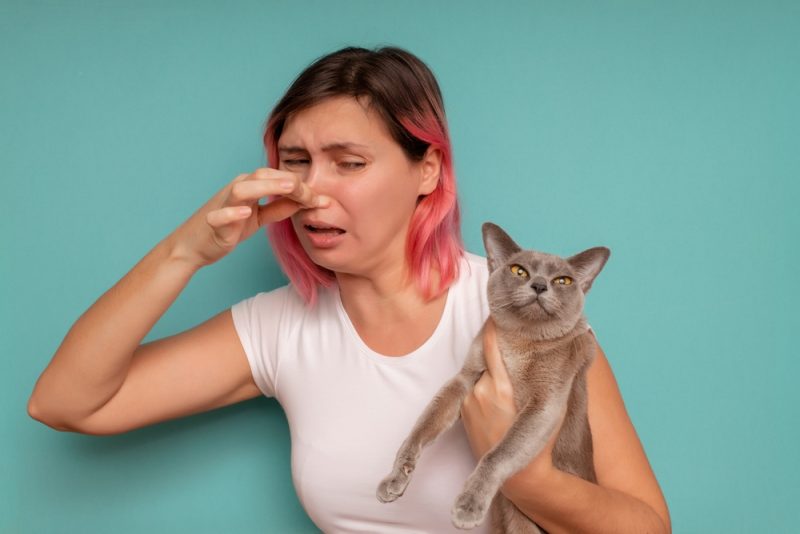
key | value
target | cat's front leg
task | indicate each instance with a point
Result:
(395, 483)
(526, 438)
(438, 416)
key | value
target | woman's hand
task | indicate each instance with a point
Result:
(489, 410)
(233, 214)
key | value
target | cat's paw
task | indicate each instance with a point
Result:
(392, 486)
(468, 511)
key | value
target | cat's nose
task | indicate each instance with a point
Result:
(540, 286)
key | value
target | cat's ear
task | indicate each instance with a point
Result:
(499, 246)
(588, 265)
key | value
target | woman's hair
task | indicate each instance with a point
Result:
(404, 92)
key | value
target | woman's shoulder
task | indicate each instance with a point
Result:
(476, 261)
(272, 297)
(279, 301)
(282, 315)
(474, 270)
(472, 278)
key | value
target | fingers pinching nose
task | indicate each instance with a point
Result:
(322, 201)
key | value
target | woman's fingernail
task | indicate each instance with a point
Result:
(323, 201)
(287, 185)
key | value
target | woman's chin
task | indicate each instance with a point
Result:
(327, 258)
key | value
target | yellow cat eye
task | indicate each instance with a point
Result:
(519, 271)
(563, 280)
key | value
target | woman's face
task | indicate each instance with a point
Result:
(346, 153)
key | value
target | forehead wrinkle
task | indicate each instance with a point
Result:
(343, 122)
(330, 147)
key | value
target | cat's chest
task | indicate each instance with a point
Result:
(530, 368)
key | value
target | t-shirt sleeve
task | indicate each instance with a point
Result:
(256, 320)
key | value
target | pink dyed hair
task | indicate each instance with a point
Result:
(403, 90)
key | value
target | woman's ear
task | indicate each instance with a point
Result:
(430, 170)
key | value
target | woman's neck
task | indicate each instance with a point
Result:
(389, 296)
(389, 311)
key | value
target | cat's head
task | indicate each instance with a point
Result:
(539, 293)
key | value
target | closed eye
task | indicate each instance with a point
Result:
(352, 164)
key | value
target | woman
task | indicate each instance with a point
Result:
(383, 303)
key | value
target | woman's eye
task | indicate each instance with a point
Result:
(519, 271)
(294, 161)
(563, 281)
(352, 164)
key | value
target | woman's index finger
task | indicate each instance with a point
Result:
(308, 197)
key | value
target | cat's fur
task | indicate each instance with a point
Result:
(546, 346)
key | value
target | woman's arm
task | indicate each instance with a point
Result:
(626, 498)
(103, 380)
(91, 364)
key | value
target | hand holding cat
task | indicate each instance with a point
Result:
(489, 410)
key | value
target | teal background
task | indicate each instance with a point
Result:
(666, 131)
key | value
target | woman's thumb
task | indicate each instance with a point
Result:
(494, 361)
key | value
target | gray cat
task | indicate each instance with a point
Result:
(536, 302)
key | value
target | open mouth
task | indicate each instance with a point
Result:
(325, 230)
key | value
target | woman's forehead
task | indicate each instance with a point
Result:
(334, 123)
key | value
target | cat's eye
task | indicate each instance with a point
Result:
(519, 271)
(563, 281)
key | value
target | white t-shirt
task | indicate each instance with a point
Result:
(349, 408)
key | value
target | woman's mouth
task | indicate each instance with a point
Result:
(323, 229)
(323, 236)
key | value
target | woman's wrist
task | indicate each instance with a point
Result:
(175, 254)
(531, 481)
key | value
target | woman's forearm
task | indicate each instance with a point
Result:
(564, 503)
(92, 361)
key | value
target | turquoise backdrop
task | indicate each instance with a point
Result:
(666, 131)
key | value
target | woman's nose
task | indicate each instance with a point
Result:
(316, 177)
(312, 175)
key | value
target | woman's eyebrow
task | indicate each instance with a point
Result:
(326, 148)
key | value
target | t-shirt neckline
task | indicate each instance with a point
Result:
(406, 359)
